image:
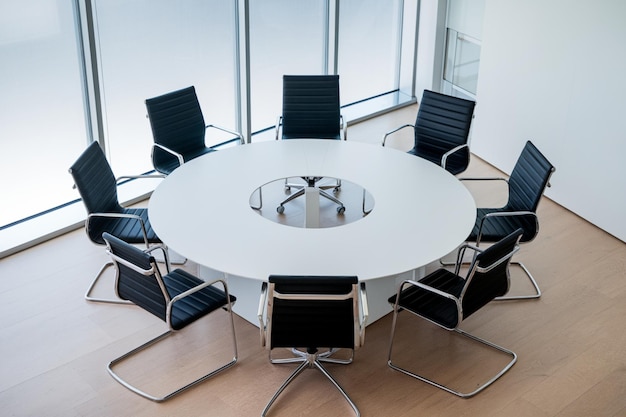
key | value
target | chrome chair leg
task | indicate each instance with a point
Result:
(309, 360)
(157, 339)
(508, 366)
(537, 293)
(91, 298)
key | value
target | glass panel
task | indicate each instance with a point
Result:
(286, 37)
(369, 36)
(466, 63)
(152, 47)
(42, 121)
(462, 61)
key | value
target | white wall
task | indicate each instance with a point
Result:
(554, 72)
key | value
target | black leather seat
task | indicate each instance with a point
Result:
(446, 299)
(526, 184)
(317, 314)
(178, 129)
(98, 189)
(311, 110)
(441, 130)
(178, 298)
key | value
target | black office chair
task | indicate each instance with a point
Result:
(178, 129)
(98, 189)
(178, 298)
(446, 299)
(442, 130)
(311, 110)
(312, 313)
(529, 178)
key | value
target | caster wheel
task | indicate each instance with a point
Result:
(280, 209)
(341, 210)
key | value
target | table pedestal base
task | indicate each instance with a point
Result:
(248, 292)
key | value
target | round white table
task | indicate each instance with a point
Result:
(420, 213)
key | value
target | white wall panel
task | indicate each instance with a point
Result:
(552, 72)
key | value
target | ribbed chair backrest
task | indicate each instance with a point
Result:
(308, 320)
(443, 123)
(95, 181)
(145, 290)
(311, 107)
(529, 179)
(483, 285)
(177, 123)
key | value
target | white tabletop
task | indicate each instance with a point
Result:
(202, 211)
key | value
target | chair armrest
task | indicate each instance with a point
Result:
(181, 160)
(427, 288)
(119, 216)
(130, 265)
(261, 312)
(134, 177)
(394, 131)
(445, 156)
(483, 269)
(279, 122)
(461, 255)
(166, 255)
(432, 290)
(364, 312)
(191, 291)
(484, 179)
(232, 132)
(344, 127)
(504, 214)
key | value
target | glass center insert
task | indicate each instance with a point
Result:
(311, 202)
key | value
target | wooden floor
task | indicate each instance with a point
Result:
(571, 345)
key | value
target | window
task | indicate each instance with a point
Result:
(462, 61)
(286, 37)
(77, 71)
(368, 52)
(42, 122)
(151, 47)
(462, 51)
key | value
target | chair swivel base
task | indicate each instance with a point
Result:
(310, 359)
(311, 183)
(281, 207)
(508, 366)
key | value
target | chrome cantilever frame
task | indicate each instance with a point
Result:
(313, 359)
(512, 354)
(179, 156)
(537, 291)
(457, 301)
(110, 264)
(170, 302)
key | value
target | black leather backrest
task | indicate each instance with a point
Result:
(482, 287)
(529, 179)
(177, 122)
(142, 290)
(313, 323)
(443, 123)
(311, 107)
(95, 181)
